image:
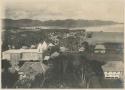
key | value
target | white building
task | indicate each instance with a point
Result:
(25, 54)
(20, 54)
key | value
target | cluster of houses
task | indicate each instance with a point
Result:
(109, 43)
(32, 59)
(98, 39)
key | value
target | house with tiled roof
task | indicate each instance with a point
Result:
(31, 69)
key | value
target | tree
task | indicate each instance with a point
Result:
(8, 78)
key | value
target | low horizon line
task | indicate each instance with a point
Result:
(66, 19)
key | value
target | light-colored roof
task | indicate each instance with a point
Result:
(55, 54)
(51, 45)
(46, 57)
(28, 50)
(113, 66)
(39, 46)
(100, 47)
(63, 49)
(13, 51)
(81, 49)
(44, 45)
(20, 50)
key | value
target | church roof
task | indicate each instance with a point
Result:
(42, 47)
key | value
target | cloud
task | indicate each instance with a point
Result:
(62, 9)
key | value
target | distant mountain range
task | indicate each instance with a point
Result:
(10, 23)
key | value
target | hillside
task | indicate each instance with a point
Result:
(10, 23)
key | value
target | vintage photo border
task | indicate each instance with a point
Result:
(2, 14)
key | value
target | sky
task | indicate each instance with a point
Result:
(65, 9)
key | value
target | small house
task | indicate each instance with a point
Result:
(51, 45)
(63, 49)
(81, 49)
(100, 48)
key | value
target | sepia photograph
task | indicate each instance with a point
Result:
(62, 44)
